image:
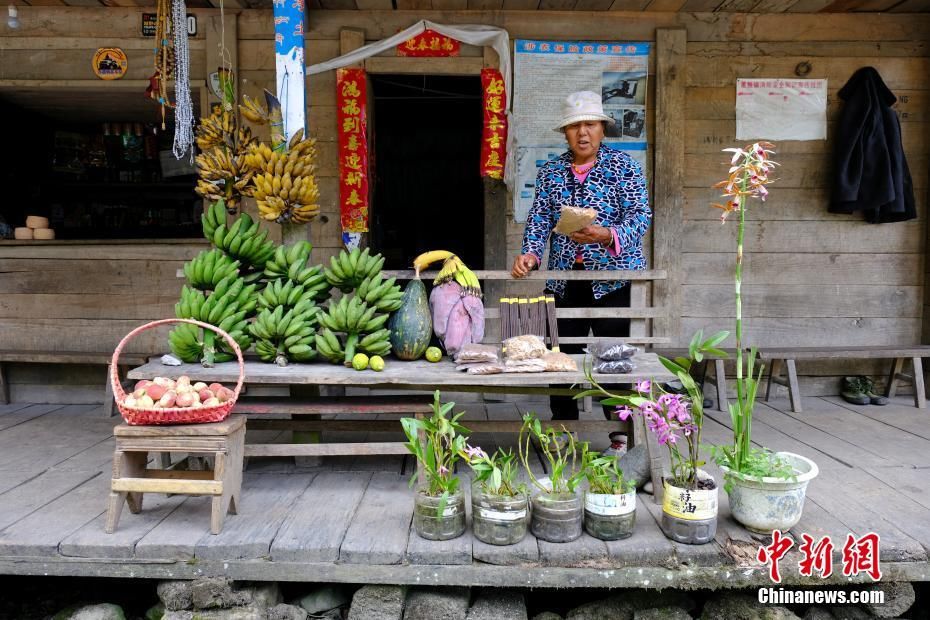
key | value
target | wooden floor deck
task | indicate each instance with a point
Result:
(350, 518)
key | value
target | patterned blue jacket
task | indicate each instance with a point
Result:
(616, 188)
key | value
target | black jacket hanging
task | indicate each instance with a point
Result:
(871, 173)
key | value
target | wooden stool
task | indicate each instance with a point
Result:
(223, 440)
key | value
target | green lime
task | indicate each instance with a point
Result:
(433, 354)
(376, 363)
(360, 361)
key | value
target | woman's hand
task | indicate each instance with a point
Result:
(592, 234)
(523, 264)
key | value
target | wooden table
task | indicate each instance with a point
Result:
(418, 375)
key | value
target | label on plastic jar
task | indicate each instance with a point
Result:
(497, 515)
(691, 505)
(609, 505)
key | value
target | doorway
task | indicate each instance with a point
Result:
(428, 194)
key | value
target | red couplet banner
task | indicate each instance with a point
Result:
(494, 132)
(429, 43)
(352, 125)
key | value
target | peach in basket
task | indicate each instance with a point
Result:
(164, 393)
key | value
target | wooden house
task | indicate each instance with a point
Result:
(812, 278)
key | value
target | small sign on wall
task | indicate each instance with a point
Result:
(781, 109)
(110, 63)
(149, 24)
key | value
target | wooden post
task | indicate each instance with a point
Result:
(671, 50)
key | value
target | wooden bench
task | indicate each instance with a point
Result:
(67, 357)
(788, 355)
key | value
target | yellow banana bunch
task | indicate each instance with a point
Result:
(452, 269)
(222, 164)
(253, 111)
(285, 187)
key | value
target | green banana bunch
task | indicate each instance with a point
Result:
(292, 262)
(329, 346)
(231, 296)
(383, 294)
(376, 343)
(209, 268)
(348, 270)
(244, 240)
(360, 323)
(187, 346)
(212, 217)
(286, 257)
(284, 293)
(282, 336)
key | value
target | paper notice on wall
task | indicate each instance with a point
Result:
(773, 109)
(546, 72)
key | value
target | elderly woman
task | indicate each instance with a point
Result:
(589, 175)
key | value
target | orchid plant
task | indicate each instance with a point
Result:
(437, 443)
(559, 448)
(497, 474)
(749, 173)
(604, 475)
(676, 420)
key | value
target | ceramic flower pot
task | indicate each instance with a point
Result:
(433, 524)
(763, 504)
(610, 517)
(498, 519)
(690, 515)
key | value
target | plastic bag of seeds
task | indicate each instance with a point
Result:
(524, 347)
(614, 367)
(611, 351)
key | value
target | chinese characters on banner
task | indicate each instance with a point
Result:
(353, 149)
(429, 43)
(859, 556)
(494, 132)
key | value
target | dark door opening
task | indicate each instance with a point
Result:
(428, 194)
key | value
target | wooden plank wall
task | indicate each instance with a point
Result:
(811, 277)
(83, 298)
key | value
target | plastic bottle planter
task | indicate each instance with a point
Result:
(609, 517)
(690, 516)
(498, 519)
(557, 517)
(431, 524)
(765, 504)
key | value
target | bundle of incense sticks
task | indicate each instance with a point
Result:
(533, 315)
(553, 326)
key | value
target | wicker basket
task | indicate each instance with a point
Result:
(173, 415)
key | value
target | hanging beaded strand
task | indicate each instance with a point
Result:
(164, 58)
(184, 112)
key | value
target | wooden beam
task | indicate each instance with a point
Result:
(668, 201)
(432, 66)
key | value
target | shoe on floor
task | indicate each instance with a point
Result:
(868, 388)
(856, 398)
(853, 391)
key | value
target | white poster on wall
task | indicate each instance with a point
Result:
(781, 109)
(545, 72)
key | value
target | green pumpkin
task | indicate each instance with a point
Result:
(411, 325)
